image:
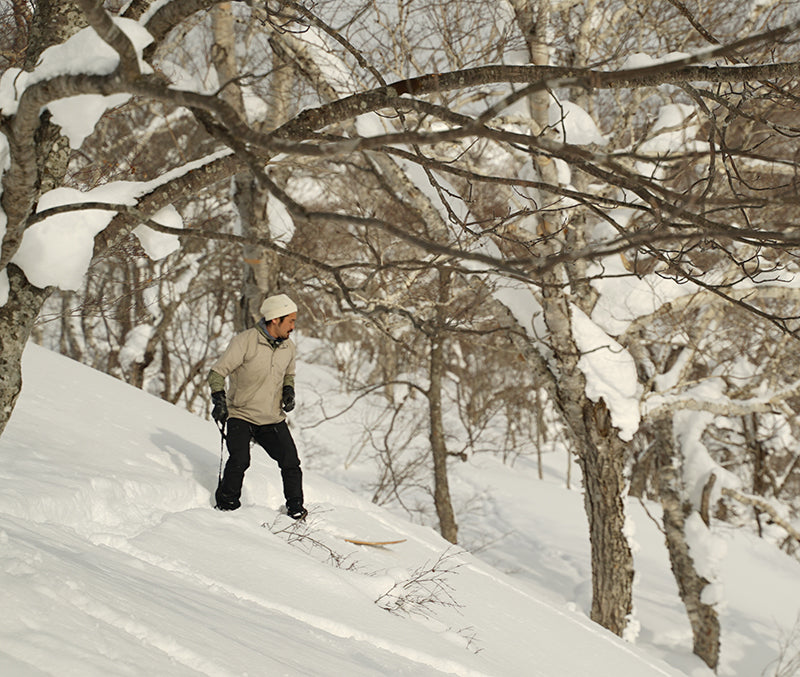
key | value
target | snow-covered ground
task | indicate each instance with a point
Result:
(113, 562)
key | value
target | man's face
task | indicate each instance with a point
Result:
(281, 328)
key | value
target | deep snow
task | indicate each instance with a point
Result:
(113, 562)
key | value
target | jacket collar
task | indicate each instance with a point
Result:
(262, 330)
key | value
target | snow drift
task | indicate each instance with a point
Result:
(113, 562)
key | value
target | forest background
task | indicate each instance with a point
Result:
(530, 227)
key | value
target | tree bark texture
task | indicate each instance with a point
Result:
(16, 319)
(601, 456)
(39, 162)
(702, 617)
(53, 22)
(602, 463)
(441, 485)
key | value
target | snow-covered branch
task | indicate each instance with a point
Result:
(765, 506)
(105, 27)
(659, 405)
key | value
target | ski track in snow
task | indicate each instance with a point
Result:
(597, 630)
(322, 623)
(335, 628)
(146, 634)
(591, 628)
(90, 603)
(481, 570)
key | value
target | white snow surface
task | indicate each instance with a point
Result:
(610, 373)
(58, 250)
(158, 245)
(113, 562)
(574, 125)
(281, 224)
(641, 60)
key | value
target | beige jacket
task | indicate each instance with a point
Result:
(256, 375)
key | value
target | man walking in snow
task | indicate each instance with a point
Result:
(259, 365)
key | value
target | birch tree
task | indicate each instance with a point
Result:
(691, 184)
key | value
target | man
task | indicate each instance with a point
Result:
(259, 366)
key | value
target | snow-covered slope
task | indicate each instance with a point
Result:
(113, 562)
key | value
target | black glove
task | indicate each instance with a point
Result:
(288, 398)
(220, 410)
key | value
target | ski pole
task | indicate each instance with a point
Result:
(221, 427)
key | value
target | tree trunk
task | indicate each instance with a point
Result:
(53, 22)
(16, 319)
(602, 462)
(756, 449)
(702, 617)
(441, 485)
(602, 456)
(261, 265)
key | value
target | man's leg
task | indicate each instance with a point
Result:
(229, 490)
(278, 443)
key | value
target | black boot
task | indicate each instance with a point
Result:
(295, 509)
(225, 502)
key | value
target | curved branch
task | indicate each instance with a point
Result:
(537, 78)
(190, 183)
(727, 407)
(761, 504)
(111, 34)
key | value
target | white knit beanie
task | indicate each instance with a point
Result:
(277, 306)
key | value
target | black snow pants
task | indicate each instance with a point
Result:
(277, 441)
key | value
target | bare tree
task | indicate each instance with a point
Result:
(694, 184)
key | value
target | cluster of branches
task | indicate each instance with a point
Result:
(428, 179)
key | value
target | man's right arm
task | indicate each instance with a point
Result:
(216, 381)
(229, 361)
(219, 411)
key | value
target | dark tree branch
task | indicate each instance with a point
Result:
(111, 34)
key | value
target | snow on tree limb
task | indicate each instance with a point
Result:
(111, 34)
(762, 504)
